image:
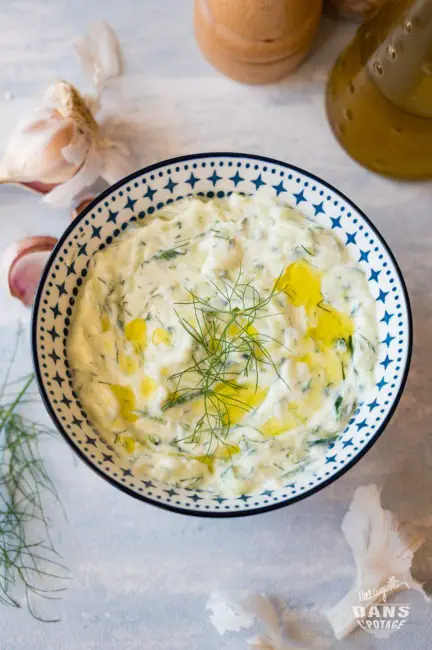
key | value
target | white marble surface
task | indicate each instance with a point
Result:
(141, 576)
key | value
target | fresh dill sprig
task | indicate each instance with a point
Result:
(28, 561)
(227, 347)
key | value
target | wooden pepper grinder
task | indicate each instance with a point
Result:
(256, 41)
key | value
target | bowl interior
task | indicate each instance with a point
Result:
(134, 200)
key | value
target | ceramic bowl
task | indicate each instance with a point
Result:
(135, 199)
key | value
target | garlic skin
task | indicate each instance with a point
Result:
(229, 611)
(100, 54)
(63, 145)
(383, 552)
(232, 611)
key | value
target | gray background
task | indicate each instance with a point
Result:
(141, 576)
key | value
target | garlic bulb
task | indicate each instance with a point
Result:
(63, 146)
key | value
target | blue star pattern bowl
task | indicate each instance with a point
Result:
(135, 199)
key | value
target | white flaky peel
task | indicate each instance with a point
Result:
(383, 552)
(232, 611)
(62, 145)
(100, 54)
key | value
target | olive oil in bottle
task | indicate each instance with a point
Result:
(379, 95)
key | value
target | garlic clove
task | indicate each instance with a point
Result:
(39, 188)
(29, 259)
(34, 186)
(33, 152)
(53, 146)
(76, 151)
(88, 174)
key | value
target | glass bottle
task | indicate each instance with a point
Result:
(379, 95)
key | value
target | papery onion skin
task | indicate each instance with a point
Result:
(21, 285)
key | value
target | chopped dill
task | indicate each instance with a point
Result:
(146, 414)
(372, 347)
(117, 435)
(320, 306)
(193, 481)
(169, 254)
(324, 441)
(218, 235)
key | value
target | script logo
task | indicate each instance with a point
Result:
(380, 618)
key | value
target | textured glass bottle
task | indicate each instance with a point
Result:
(379, 96)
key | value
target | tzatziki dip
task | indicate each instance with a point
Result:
(223, 344)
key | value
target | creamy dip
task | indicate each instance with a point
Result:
(223, 344)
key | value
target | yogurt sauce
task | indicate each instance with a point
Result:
(224, 343)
